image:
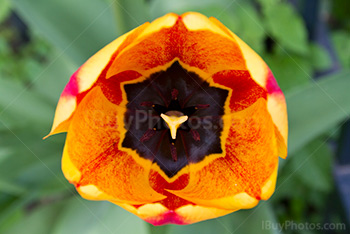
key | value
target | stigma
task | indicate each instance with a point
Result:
(174, 119)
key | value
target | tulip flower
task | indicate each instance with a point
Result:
(176, 121)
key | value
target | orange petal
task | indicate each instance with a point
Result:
(239, 176)
(92, 148)
(263, 76)
(202, 48)
(256, 66)
(86, 76)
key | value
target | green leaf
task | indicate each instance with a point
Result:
(158, 229)
(11, 220)
(246, 23)
(9, 121)
(4, 153)
(317, 107)
(44, 175)
(305, 182)
(30, 162)
(52, 80)
(286, 27)
(340, 12)
(161, 7)
(290, 70)
(38, 221)
(319, 57)
(16, 205)
(313, 166)
(5, 8)
(10, 188)
(243, 221)
(267, 3)
(23, 104)
(90, 217)
(130, 14)
(78, 28)
(341, 42)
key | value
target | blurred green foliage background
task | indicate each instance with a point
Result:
(43, 42)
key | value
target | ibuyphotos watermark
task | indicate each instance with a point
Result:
(292, 225)
(141, 119)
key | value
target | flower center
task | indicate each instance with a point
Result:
(173, 118)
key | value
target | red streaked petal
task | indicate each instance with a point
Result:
(263, 76)
(86, 76)
(92, 147)
(157, 50)
(238, 177)
(256, 66)
(90, 71)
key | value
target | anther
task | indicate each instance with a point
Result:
(147, 104)
(195, 135)
(174, 94)
(201, 106)
(148, 134)
(173, 151)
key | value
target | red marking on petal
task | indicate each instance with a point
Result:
(159, 184)
(271, 84)
(72, 88)
(168, 217)
(245, 91)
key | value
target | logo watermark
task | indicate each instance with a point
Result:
(296, 226)
(142, 119)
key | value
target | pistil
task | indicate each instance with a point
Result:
(173, 122)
